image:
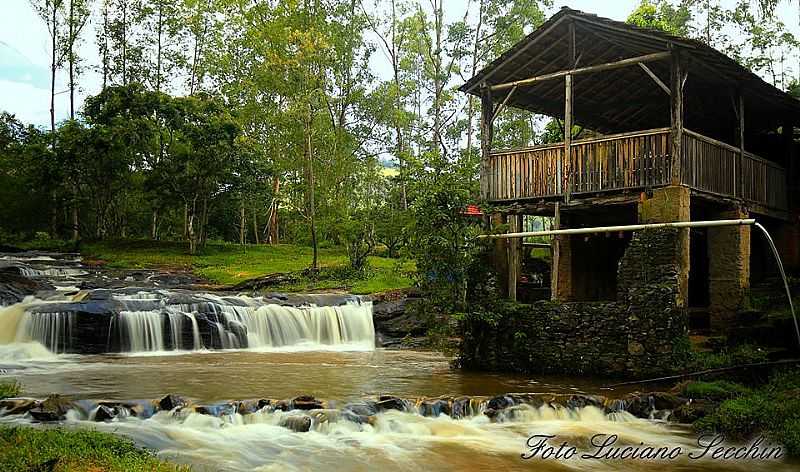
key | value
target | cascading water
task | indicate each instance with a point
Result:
(163, 320)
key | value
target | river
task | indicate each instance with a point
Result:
(161, 346)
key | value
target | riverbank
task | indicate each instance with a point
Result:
(71, 450)
(227, 264)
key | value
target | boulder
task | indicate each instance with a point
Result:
(692, 411)
(53, 408)
(297, 423)
(306, 402)
(170, 402)
(387, 402)
(14, 286)
(16, 406)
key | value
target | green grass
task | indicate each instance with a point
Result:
(739, 355)
(9, 389)
(718, 390)
(74, 450)
(229, 264)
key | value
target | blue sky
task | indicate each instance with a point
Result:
(24, 53)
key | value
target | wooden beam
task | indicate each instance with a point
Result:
(567, 137)
(502, 105)
(657, 56)
(539, 36)
(676, 115)
(655, 78)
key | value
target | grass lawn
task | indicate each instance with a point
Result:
(229, 264)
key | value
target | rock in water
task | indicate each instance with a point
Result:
(298, 424)
(170, 402)
(386, 402)
(16, 406)
(54, 408)
(306, 402)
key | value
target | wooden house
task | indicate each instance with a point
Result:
(681, 132)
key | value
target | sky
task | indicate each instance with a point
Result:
(24, 53)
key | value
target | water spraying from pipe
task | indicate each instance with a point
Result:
(783, 275)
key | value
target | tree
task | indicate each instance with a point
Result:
(662, 15)
(52, 13)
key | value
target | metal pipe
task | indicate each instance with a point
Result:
(616, 229)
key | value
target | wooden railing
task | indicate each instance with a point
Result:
(633, 161)
(624, 161)
(614, 162)
(720, 168)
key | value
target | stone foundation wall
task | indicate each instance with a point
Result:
(641, 333)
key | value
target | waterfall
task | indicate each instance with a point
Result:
(144, 329)
(164, 320)
(53, 330)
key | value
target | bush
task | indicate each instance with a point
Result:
(738, 418)
(717, 391)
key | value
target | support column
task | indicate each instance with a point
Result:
(666, 205)
(728, 267)
(561, 263)
(677, 80)
(487, 134)
(500, 254)
(513, 258)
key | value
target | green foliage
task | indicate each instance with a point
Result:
(444, 240)
(717, 391)
(662, 15)
(27, 448)
(10, 389)
(773, 409)
(739, 355)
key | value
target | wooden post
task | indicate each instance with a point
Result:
(486, 140)
(554, 260)
(676, 115)
(737, 169)
(567, 138)
(513, 257)
(568, 117)
(790, 164)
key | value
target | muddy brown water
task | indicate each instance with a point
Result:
(395, 441)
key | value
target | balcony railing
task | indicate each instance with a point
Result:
(633, 161)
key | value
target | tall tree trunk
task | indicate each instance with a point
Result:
(242, 224)
(255, 226)
(53, 66)
(105, 44)
(310, 191)
(273, 220)
(125, 42)
(158, 50)
(154, 225)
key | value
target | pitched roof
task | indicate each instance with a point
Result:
(628, 99)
